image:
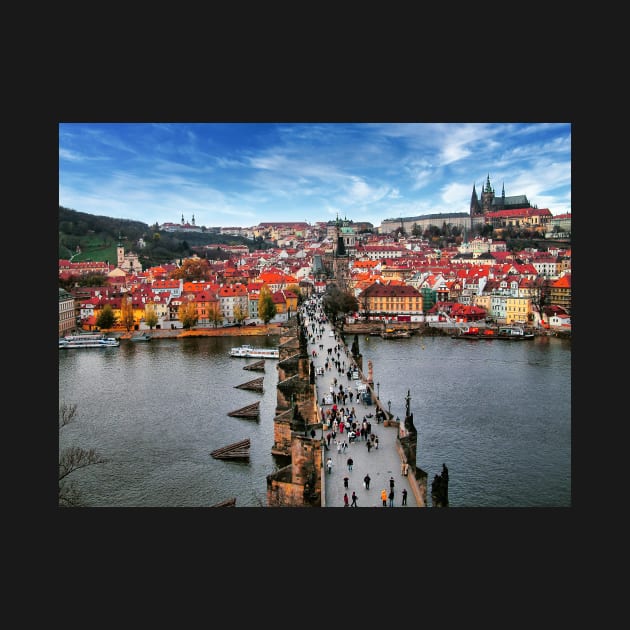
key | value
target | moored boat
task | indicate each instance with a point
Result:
(142, 337)
(513, 333)
(392, 333)
(510, 333)
(249, 351)
(88, 341)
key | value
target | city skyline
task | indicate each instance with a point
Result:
(241, 174)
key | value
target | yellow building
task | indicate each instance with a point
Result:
(390, 300)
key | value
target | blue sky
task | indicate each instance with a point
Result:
(239, 174)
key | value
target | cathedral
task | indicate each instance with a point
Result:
(490, 203)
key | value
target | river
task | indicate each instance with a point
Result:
(498, 413)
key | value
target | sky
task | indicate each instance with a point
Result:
(241, 174)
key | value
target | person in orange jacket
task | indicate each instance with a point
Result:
(384, 497)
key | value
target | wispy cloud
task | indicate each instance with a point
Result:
(275, 171)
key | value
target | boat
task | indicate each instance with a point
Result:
(513, 333)
(255, 353)
(392, 333)
(142, 337)
(510, 333)
(474, 332)
(88, 341)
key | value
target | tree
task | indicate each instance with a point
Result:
(106, 318)
(365, 305)
(71, 459)
(214, 314)
(266, 308)
(188, 314)
(337, 302)
(540, 297)
(192, 269)
(240, 314)
(150, 316)
(126, 312)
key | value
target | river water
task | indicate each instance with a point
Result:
(498, 413)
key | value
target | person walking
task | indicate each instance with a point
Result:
(329, 465)
(345, 482)
(354, 499)
(366, 481)
(391, 483)
(345, 499)
(391, 498)
(384, 497)
(350, 462)
(404, 496)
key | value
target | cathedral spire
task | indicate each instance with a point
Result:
(474, 202)
(488, 188)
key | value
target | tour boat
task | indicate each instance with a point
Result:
(88, 341)
(255, 353)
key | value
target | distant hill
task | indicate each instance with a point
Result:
(93, 237)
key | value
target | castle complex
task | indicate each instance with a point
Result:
(500, 212)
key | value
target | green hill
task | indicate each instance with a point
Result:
(88, 237)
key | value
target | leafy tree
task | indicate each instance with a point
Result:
(214, 314)
(71, 459)
(150, 316)
(192, 269)
(106, 318)
(126, 312)
(240, 314)
(188, 314)
(266, 308)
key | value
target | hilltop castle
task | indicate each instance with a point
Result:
(498, 211)
(490, 203)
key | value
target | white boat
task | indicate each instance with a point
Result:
(88, 341)
(255, 353)
(515, 333)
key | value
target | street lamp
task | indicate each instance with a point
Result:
(378, 390)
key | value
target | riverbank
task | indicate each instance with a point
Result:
(224, 331)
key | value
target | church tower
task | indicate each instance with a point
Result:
(487, 197)
(120, 253)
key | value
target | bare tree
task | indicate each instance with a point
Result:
(71, 459)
